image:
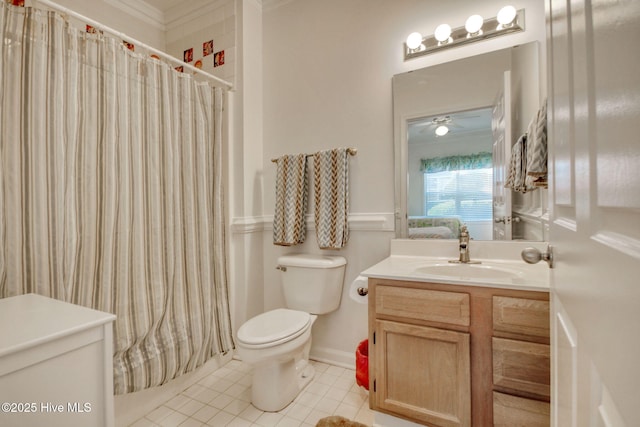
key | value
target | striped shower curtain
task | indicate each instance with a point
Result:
(111, 192)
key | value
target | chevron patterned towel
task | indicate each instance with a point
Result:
(517, 172)
(289, 226)
(331, 187)
(537, 147)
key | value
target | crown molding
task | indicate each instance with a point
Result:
(188, 11)
(179, 14)
(141, 10)
(171, 18)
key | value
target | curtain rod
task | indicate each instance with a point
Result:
(123, 36)
(351, 151)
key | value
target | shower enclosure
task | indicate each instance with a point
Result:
(111, 192)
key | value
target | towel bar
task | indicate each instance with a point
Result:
(352, 151)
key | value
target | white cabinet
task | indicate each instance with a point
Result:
(56, 363)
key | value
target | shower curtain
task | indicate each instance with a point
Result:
(111, 192)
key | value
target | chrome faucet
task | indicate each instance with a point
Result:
(463, 245)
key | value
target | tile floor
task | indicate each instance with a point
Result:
(223, 399)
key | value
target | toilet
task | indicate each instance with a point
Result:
(277, 343)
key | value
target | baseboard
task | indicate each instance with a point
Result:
(331, 356)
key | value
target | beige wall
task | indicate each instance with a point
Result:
(327, 83)
(310, 75)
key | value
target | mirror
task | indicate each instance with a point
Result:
(480, 106)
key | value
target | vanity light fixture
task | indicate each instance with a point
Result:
(414, 41)
(474, 25)
(506, 15)
(509, 20)
(442, 34)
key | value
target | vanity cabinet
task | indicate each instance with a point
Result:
(447, 355)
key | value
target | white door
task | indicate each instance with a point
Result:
(502, 141)
(594, 135)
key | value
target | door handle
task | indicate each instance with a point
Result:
(506, 219)
(534, 256)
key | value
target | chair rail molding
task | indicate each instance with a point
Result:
(357, 222)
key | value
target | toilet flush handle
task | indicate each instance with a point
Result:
(281, 268)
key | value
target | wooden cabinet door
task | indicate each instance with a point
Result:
(423, 373)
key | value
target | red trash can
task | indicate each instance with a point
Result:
(362, 364)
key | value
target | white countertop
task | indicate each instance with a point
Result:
(29, 320)
(405, 264)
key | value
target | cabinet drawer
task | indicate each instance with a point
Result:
(520, 316)
(422, 304)
(509, 411)
(522, 366)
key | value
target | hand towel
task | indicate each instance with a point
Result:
(537, 147)
(516, 174)
(331, 187)
(289, 226)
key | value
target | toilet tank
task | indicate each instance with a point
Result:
(312, 283)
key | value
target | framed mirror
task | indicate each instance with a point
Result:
(454, 125)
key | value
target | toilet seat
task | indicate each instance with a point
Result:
(273, 327)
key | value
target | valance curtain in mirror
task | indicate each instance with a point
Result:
(459, 186)
(454, 163)
(111, 192)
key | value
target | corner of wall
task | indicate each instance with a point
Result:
(246, 165)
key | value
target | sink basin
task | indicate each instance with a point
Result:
(469, 271)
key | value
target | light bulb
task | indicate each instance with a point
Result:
(442, 130)
(442, 33)
(414, 40)
(474, 24)
(506, 15)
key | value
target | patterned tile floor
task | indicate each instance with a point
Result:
(223, 399)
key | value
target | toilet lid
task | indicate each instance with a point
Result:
(272, 326)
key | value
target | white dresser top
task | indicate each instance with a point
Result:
(30, 320)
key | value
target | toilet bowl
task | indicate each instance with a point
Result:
(277, 343)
